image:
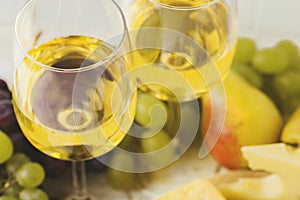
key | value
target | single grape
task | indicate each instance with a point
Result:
(249, 74)
(33, 194)
(174, 118)
(155, 142)
(7, 197)
(269, 90)
(291, 49)
(270, 61)
(8, 120)
(3, 85)
(131, 142)
(30, 175)
(287, 84)
(122, 161)
(13, 190)
(245, 50)
(159, 152)
(190, 112)
(150, 111)
(286, 87)
(6, 147)
(121, 180)
(287, 107)
(5, 94)
(16, 161)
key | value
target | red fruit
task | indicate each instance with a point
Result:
(8, 121)
(19, 141)
(5, 94)
(3, 85)
(245, 116)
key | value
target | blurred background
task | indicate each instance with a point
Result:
(264, 20)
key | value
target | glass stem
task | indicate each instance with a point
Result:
(79, 181)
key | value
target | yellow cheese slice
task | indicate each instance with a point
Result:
(246, 188)
(246, 184)
(280, 160)
(199, 189)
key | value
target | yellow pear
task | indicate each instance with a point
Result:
(251, 118)
(291, 130)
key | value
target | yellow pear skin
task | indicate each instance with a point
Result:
(251, 118)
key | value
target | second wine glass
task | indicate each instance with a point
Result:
(182, 47)
(73, 96)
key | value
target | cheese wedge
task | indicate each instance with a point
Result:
(248, 185)
(199, 189)
(279, 160)
(246, 188)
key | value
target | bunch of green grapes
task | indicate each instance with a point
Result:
(19, 176)
(275, 70)
(157, 123)
(151, 116)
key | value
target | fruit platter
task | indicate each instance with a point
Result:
(255, 157)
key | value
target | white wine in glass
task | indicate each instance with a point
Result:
(182, 47)
(73, 96)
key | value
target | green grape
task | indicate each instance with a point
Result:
(30, 175)
(150, 111)
(245, 49)
(16, 161)
(33, 194)
(270, 91)
(6, 147)
(249, 74)
(156, 142)
(130, 143)
(13, 190)
(127, 163)
(190, 112)
(161, 153)
(291, 50)
(121, 180)
(7, 197)
(287, 87)
(289, 106)
(174, 117)
(287, 84)
(270, 61)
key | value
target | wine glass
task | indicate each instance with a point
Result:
(182, 47)
(73, 96)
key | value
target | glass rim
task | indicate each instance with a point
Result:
(204, 5)
(71, 70)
